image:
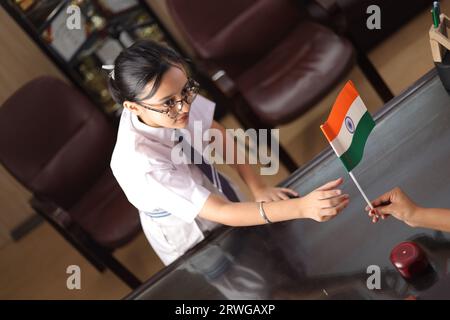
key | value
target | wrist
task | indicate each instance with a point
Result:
(300, 211)
(262, 212)
(413, 216)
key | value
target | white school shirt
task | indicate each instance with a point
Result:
(168, 196)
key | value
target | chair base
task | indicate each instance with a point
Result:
(119, 269)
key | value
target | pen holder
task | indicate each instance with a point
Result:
(412, 263)
(440, 45)
(443, 69)
(409, 259)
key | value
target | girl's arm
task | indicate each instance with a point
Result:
(259, 189)
(322, 204)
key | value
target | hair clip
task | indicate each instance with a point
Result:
(109, 67)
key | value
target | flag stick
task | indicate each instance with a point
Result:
(355, 181)
(360, 189)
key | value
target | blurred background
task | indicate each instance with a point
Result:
(266, 63)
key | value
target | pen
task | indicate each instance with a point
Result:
(435, 19)
(437, 8)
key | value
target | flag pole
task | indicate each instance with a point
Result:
(354, 180)
(360, 190)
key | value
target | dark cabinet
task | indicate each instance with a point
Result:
(82, 35)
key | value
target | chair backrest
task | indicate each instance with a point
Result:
(234, 34)
(54, 140)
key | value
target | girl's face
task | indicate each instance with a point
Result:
(173, 85)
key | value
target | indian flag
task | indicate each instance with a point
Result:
(348, 126)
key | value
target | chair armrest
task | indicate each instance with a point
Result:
(52, 212)
(330, 6)
(219, 78)
(329, 13)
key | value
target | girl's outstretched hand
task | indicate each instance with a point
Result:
(323, 203)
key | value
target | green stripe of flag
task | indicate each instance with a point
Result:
(354, 153)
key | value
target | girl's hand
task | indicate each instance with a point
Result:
(268, 194)
(324, 203)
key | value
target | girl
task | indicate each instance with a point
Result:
(178, 203)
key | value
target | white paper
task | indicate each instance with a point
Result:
(118, 5)
(109, 51)
(64, 40)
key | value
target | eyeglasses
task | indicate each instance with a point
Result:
(172, 106)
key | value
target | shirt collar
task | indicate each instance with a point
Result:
(162, 135)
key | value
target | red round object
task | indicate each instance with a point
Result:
(409, 259)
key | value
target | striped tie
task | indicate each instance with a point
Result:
(213, 175)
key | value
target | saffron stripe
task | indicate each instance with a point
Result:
(340, 108)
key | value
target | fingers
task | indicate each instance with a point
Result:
(277, 194)
(290, 191)
(326, 218)
(331, 212)
(386, 210)
(376, 214)
(333, 202)
(329, 194)
(330, 185)
(383, 199)
(282, 195)
(375, 219)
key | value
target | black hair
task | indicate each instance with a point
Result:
(136, 66)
